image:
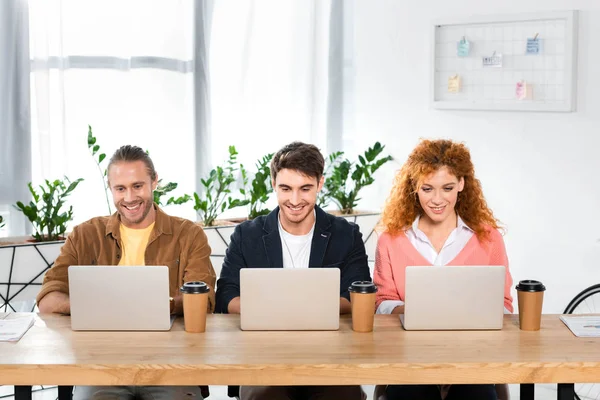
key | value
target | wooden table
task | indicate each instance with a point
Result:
(51, 354)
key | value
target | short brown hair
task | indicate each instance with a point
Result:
(302, 157)
(130, 153)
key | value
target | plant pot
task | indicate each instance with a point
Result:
(22, 268)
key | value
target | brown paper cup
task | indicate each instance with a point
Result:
(194, 311)
(195, 304)
(363, 311)
(530, 310)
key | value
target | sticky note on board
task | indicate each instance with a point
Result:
(533, 46)
(454, 84)
(495, 60)
(524, 91)
(463, 47)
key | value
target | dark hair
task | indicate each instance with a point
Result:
(130, 153)
(302, 157)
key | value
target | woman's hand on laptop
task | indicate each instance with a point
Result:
(398, 310)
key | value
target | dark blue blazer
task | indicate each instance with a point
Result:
(336, 243)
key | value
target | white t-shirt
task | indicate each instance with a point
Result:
(295, 248)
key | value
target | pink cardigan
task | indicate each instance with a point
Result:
(395, 253)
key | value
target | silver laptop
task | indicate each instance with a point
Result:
(119, 298)
(453, 298)
(290, 299)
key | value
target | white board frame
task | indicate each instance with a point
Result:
(570, 68)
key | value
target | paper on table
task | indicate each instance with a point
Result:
(13, 328)
(583, 325)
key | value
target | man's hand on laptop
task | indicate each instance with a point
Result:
(345, 307)
(176, 304)
(55, 302)
(398, 310)
(234, 306)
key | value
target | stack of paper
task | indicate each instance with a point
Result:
(583, 325)
(14, 326)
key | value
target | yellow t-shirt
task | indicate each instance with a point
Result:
(134, 244)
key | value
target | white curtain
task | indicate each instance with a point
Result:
(126, 69)
(15, 144)
(269, 75)
(182, 78)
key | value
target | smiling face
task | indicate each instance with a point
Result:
(438, 195)
(132, 190)
(297, 196)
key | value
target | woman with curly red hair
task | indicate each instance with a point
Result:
(436, 215)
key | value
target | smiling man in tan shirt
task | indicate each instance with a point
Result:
(138, 233)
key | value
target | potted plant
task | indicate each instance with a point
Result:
(341, 187)
(44, 211)
(216, 194)
(29, 259)
(216, 198)
(344, 180)
(258, 192)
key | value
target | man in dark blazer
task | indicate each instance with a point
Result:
(297, 234)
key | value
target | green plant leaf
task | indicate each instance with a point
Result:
(179, 200)
(94, 148)
(45, 210)
(342, 187)
(91, 140)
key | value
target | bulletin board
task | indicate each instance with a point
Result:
(522, 62)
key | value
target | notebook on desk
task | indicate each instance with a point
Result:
(290, 299)
(119, 298)
(454, 298)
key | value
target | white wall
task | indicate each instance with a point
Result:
(539, 170)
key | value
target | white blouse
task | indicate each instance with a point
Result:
(456, 242)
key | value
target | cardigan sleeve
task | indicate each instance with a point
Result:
(383, 276)
(498, 257)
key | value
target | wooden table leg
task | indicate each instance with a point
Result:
(527, 391)
(566, 391)
(22, 392)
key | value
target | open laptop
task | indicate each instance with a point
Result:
(290, 299)
(119, 298)
(453, 298)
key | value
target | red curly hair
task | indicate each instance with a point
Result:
(402, 206)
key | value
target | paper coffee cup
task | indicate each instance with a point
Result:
(362, 300)
(195, 304)
(530, 296)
